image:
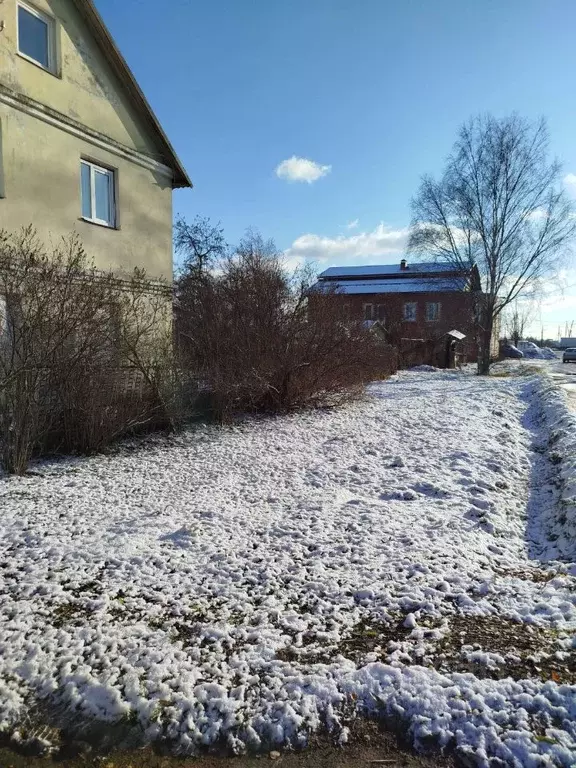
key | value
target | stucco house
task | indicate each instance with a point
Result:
(80, 148)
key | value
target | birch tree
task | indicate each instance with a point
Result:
(499, 205)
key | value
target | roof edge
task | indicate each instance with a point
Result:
(434, 270)
(118, 63)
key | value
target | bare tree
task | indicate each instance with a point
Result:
(200, 244)
(516, 318)
(499, 205)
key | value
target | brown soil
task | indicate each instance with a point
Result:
(369, 747)
(533, 647)
(533, 650)
(499, 635)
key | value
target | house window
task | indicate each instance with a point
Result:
(410, 311)
(37, 37)
(98, 194)
(381, 312)
(368, 312)
(433, 310)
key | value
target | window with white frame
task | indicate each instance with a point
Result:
(368, 311)
(410, 311)
(432, 310)
(98, 194)
(37, 36)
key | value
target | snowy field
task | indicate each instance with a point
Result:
(411, 556)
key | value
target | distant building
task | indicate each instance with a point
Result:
(418, 304)
(567, 341)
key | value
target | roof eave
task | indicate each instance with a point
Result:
(181, 180)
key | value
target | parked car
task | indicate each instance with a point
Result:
(534, 352)
(569, 355)
(509, 350)
(548, 353)
(527, 346)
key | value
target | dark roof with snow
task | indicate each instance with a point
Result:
(417, 285)
(423, 277)
(392, 270)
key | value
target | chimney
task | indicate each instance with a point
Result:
(403, 265)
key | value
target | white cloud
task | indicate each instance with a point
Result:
(538, 214)
(367, 246)
(293, 263)
(301, 169)
(570, 181)
(352, 224)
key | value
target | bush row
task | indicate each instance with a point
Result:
(87, 358)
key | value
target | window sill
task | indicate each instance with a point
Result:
(99, 224)
(30, 60)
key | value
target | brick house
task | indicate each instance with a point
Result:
(418, 304)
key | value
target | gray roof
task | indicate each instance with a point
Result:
(411, 285)
(392, 270)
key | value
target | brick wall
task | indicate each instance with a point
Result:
(456, 313)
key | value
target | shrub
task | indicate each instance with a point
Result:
(261, 341)
(70, 337)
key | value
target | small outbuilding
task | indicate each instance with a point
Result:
(454, 352)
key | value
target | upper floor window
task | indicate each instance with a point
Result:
(433, 310)
(410, 311)
(98, 194)
(374, 312)
(37, 37)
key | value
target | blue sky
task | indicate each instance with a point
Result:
(374, 89)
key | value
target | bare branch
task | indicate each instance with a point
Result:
(499, 205)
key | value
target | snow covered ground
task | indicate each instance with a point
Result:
(410, 556)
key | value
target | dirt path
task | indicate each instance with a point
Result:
(369, 746)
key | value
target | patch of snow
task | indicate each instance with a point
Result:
(423, 369)
(560, 444)
(539, 353)
(208, 586)
(548, 353)
(410, 621)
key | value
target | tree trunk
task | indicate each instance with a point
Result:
(485, 342)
